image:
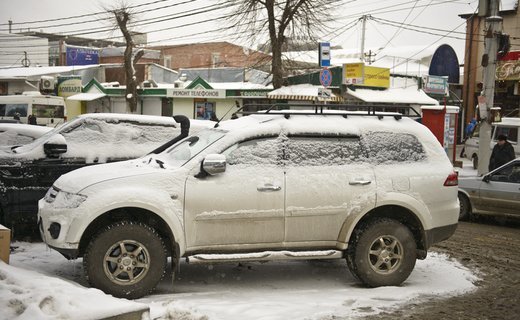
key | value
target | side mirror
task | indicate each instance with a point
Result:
(55, 146)
(486, 178)
(53, 150)
(214, 163)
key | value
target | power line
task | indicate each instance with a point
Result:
(88, 14)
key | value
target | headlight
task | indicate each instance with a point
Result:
(63, 199)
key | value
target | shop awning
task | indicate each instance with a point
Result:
(86, 96)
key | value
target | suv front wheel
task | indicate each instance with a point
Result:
(382, 253)
(126, 259)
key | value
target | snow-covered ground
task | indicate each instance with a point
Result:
(41, 284)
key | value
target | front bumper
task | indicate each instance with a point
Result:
(48, 215)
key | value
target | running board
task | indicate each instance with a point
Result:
(264, 256)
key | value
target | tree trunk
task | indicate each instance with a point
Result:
(122, 17)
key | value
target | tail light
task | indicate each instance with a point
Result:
(452, 180)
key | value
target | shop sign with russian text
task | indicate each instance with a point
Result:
(196, 93)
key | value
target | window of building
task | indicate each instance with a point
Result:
(168, 61)
(204, 110)
(215, 60)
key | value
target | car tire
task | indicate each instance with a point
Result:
(382, 253)
(126, 259)
(475, 162)
(465, 207)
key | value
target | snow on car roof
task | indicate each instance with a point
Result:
(339, 124)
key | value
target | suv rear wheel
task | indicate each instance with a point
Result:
(126, 260)
(382, 253)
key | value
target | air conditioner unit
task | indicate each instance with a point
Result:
(47, 83)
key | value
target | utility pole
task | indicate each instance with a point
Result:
(486, 99)
(370, 55)
(363, 27)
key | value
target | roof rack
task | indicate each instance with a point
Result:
(345, 110)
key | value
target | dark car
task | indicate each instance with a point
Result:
(496, 193)
(28, 171)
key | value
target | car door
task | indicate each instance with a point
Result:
(501, 194)
(243, 205)
(325, 182)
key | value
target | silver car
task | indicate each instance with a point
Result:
(496, 193)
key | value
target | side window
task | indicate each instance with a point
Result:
(392, 147)
(2, 110)
(508, 174)
(261, 151)
(510, 132)
(12, 109)
(319, 151)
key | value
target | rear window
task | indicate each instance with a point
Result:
(392, 147)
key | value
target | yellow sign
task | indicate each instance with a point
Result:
(360, 75)
(377, 77)
(353, 73)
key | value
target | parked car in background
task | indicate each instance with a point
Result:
(27, 171)
(496, 193)
(378, 191)
(510, 127)
(48, 110)
(16, 134)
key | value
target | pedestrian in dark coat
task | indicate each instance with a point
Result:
(502, 153)
(32, 120)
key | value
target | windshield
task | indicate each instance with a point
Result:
(188, 148)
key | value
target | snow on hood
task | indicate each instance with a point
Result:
(79, 179)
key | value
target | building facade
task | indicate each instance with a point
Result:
(212, 55)
(507, 95)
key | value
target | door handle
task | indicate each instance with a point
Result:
(359, 182)
(268, 188)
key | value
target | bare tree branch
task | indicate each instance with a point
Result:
(280, 20)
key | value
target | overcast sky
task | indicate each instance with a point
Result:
(432, 20)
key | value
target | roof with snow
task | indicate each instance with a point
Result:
(408, 95)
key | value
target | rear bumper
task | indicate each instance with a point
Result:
(438, 234)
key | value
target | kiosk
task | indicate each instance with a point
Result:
(442, 122)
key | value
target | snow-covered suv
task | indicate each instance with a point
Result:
(378, 191)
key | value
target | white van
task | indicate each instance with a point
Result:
(510, 127)
(48, 110)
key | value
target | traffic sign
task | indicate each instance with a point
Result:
(325, 77)
(324, 54)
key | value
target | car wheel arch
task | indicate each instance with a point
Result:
(463, 194)
(394, 212)
(135, 214)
